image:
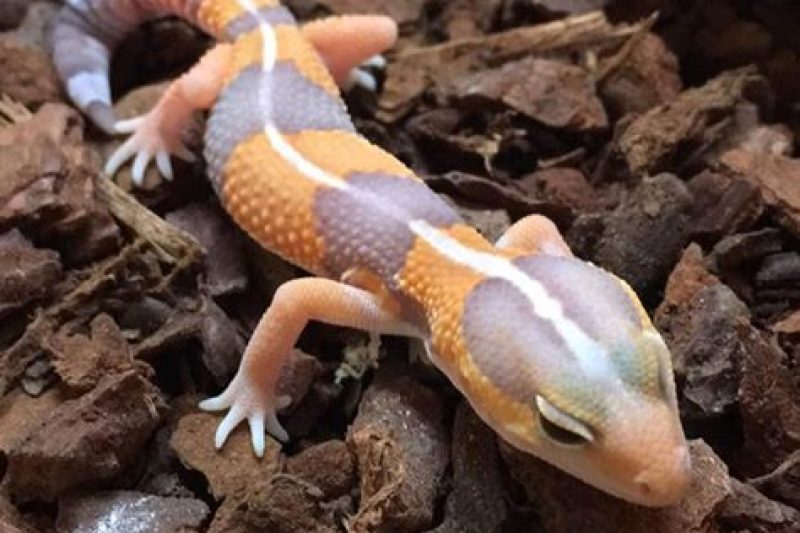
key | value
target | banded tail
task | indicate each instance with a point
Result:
(86, 32)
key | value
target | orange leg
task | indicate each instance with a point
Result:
(535, 234)
(251, 395)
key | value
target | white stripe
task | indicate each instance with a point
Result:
(299, 162)
(591, 356)
(274, 136)
(269, 53)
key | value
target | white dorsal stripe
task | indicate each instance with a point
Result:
(298, 161)
(275, 138)
(590, 355)
(269, 53)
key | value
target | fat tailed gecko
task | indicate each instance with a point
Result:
(554, 353)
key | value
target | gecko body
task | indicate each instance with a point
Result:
(555, 354)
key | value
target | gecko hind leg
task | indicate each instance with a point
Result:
(350, 45)
(159, 133)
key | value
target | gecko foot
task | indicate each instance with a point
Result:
(152, 137)
(362, 76)
(244, 401)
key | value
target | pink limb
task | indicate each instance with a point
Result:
(158, 134)
(252, 394)
(352, 41)
(535, 234)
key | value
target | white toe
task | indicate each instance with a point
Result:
(164, 165)
(218, 403)
(228, 424)
(257, 433)
(275, 429)
(128, 126)
(118, 158)
(139, 167)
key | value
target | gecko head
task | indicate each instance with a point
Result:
(571, 370)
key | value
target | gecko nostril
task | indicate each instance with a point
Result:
(645, 489)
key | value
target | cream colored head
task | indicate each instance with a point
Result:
(563, 363)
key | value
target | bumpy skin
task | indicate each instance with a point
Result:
(557, 355)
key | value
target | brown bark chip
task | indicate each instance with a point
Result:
(649, 77)
(778, 179)
(783, 483)
(749, 510)
(770, 407)
(723, 205)
(27, 273)
(643, 237)
(232, 469)
(649, 144)
(46, 185)
(10, 519)
(278, 504)
(703, 322)
(476, 503)
(29, 76)
(20, 414)
(329, 466)
(402, 451)
(226, 270)
(554, 93)
(83, 360)
(12, 12)
(86, 441)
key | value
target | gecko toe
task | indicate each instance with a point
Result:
(256, 422)
(129, 125)
(275, 429)
(228, 424)
(218, 403)
(140, 166)
(164, 165)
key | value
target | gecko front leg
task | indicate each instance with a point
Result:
(252, 394)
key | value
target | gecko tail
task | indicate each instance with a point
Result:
(84, 36)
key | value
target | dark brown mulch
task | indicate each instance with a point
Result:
(665, 149)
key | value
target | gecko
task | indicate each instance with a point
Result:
(554, 353)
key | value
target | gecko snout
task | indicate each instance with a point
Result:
(666, 481)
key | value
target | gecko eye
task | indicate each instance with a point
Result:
(560, 427)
